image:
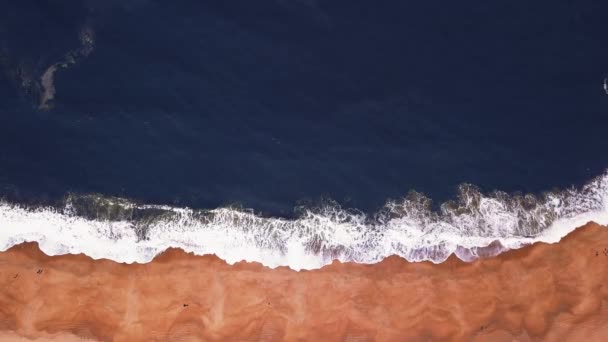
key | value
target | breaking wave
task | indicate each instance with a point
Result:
(473, 225)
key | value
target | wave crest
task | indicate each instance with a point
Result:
(473, 225)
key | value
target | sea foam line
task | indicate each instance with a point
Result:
(125, 231)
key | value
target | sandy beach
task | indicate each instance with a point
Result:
(549, 292)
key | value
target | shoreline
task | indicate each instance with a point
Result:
(548, 291)
(124, 230)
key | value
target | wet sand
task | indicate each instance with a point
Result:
(553, 292)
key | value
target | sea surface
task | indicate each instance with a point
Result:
(296, 132)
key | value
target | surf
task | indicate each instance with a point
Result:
(472, 225)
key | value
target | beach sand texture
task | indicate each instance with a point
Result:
(552, 292)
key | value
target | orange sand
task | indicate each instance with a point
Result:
(553, 292)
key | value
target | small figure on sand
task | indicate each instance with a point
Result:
(39, 271)
(16, 275)
(185, 305)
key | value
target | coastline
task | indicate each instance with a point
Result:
(549, 291)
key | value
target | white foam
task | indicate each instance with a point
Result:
(407, 228)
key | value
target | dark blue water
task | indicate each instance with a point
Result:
(271, 104)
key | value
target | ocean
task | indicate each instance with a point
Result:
(296, 132)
